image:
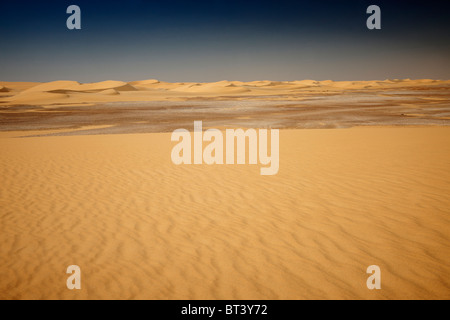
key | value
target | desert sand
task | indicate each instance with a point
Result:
(72, 92)
(83, 184)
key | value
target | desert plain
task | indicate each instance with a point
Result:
(87, 180)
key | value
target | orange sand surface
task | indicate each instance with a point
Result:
(141, 227)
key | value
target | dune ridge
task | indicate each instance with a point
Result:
(154, 90)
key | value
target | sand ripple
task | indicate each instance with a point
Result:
(141, 227)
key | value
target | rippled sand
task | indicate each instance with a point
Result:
(142, 227)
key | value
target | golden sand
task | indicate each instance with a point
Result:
(141, 227)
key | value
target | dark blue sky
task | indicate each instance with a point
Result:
(214, 40)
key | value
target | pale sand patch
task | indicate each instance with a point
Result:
(142, 227)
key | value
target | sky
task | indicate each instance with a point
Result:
(202, 41)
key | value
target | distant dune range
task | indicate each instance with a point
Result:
(157, 106)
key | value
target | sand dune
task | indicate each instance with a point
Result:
(70, 92)
(105, 85)
(216, 88)
(307, 82)
(144, 82)
(109, 92)
(36, 97)
(67, 86)
(154, 90)
(18, 86)
(141, 227)
(61, 85)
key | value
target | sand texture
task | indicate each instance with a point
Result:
(141, 227)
